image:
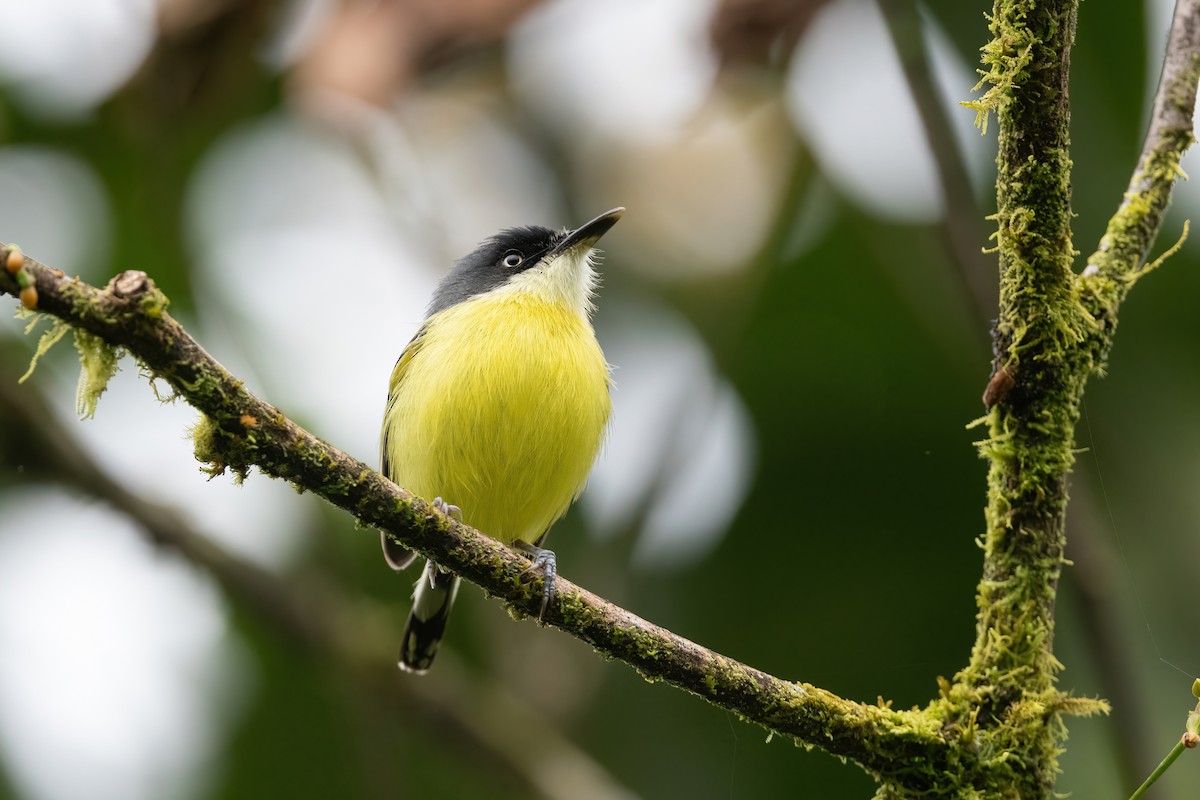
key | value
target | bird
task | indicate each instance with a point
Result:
(497, 407)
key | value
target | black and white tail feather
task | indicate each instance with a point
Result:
(433, 597)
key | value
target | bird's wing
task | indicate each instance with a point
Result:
(397, 557)
(398, 372)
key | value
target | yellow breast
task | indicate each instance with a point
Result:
(500, 410)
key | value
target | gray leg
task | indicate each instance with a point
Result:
(448, 509)
(547, 562)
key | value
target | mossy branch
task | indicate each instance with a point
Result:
(239, 431)
(1120, 259)
(1036, 341)
(1052, 332)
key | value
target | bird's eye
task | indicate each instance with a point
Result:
(512, 260)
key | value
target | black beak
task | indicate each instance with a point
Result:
(587, 234)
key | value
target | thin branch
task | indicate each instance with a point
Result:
(319, 618)
(1160, 770)
(1120, 259)
(242, 431)
(1125, 246)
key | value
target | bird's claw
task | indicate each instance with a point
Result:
(544, 560)
(448, 509)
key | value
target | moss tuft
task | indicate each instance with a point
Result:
(219, 450)
(98, 363)
(154, 303)
(1007, 58)
(58, 328)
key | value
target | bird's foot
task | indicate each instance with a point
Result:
(544, 560)
(448, 509)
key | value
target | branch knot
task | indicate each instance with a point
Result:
(129, 284)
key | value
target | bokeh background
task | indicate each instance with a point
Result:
(797, 305)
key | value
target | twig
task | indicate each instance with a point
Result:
(1123, 250)
(1189, 741)
(1118, 261)
(1163, 766)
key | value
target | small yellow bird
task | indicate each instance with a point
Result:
(499, 404)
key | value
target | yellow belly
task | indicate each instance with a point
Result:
(501, 411)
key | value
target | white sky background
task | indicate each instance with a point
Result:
(109, 650)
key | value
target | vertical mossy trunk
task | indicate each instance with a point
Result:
(1038, 377)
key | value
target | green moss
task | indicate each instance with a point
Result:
(98, 363)
(153, 303)
(48, 339)
(169, 395)
(79, 298)
(1007, 58)
(1004, 704)
(219, 450)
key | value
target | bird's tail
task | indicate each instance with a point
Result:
(432, 601)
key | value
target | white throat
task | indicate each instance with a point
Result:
(567, 278)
